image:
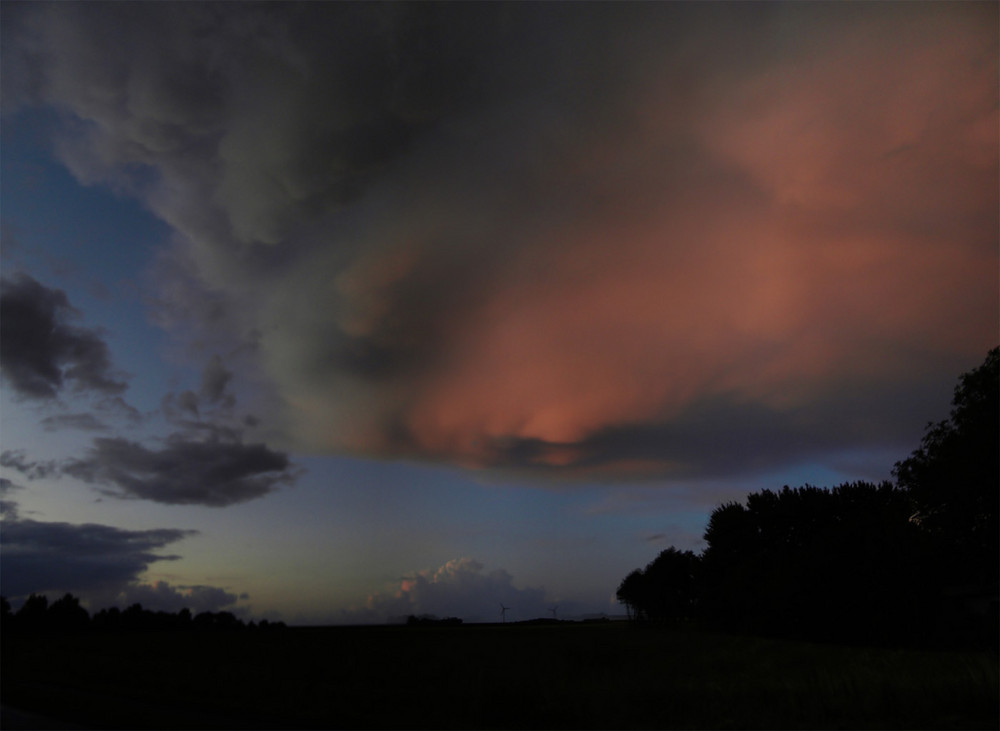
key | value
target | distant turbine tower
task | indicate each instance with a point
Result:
(503, 613)
(553, 610)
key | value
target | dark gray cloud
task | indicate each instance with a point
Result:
(188, 401)
(214, 380)
(725, 436)
(83, 559)
(42, 349)
(119, 408)
(8, 508)
(85, 422)
(17, 459)
(214, 472)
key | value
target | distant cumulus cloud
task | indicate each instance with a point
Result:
(613, 240)
(215, 472)
(42, 349)
(459, 588)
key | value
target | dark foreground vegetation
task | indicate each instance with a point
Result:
(65, 615)
(565, 675)
(909, 563)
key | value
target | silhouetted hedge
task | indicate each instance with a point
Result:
(65, 615)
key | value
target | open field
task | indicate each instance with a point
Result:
(491, 676)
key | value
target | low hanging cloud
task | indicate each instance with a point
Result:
(165, 597)
(215, 472)
(459, 588)
(101, 564)
(589, 240)
(87, 559)
(41, 350)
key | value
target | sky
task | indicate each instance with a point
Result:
(337, 313)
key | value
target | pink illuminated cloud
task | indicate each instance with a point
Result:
(599, 240)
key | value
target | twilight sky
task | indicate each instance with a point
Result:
(332, 312)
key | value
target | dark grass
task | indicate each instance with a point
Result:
(492, 676)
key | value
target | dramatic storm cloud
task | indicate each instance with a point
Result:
(84, 559)
(214, 472)
(41, 347)
(617, 239)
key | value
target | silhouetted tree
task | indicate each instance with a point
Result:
(631, 594)
(108, 619)
(953, 478)
(666, 590)
(832, 564)
(31, 615)
(67, 615)
(672, 585)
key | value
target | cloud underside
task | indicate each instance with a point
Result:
(102, 564)
(214, 472)
(658, 238)
(41, 556)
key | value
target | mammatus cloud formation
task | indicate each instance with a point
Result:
(216, 472)
(42, 349)
(666, 238)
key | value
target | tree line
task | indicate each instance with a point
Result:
(66, 615)
(912, 561)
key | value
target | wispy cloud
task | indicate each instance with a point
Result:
(17, 459)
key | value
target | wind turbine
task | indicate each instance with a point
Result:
(553, 610)
(503, 612)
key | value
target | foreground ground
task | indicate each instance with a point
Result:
(513, 676)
